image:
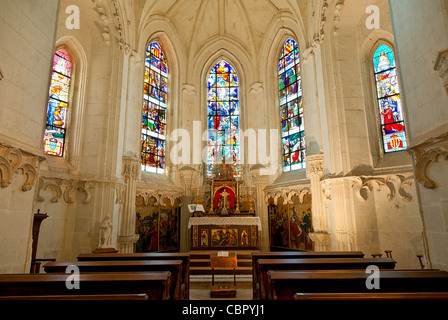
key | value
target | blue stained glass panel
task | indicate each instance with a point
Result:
(223, 117)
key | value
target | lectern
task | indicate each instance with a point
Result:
(223, 260)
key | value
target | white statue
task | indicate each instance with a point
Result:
(106, 233)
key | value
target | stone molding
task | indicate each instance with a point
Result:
(441, 66)
(15, 160)
(426, 153)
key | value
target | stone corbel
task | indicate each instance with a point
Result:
(13, 160)
(427, 152)
(441, 66)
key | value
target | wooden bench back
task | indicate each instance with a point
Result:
(184, 256)
(173, 266)
(156, 285)
(285, 284)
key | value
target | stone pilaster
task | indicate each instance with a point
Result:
(261, 181)
(131, 173)
(320, 235)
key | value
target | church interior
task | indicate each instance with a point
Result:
(248, 132)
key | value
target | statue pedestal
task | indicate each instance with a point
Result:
(105, 250)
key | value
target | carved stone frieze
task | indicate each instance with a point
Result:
(287, 194)
(64, 189)
(13, 161)
(395, 184)
(160, 196)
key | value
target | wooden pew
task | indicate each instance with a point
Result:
(265, 265)
(156, 285)
(70, 297)
(184, 256)
(283, 285)
(293, 255)
(173, 266)
(372, 296)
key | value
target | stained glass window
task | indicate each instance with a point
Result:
(223, 111)
(389, 102)
(154, 110)
(55, 129)
(291, 110)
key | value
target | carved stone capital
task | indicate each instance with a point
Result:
(131, 168)
(128, 239)
(315, 165)
(441, 66)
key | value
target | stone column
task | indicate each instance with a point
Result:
(320, 235)
(261, 181)
(131, 173)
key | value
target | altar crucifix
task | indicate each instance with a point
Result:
(224, 202)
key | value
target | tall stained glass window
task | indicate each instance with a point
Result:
(389, 102)
(55, 129)
(154, 110)
(223, 111)
(291, 110)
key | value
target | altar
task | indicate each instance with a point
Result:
(210, 233)
(228, 220)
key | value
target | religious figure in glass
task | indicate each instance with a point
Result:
(154, 110)
(291, 110)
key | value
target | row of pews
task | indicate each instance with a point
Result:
(104, 276)
(340, 276)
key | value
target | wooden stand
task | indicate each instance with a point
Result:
(223, 262)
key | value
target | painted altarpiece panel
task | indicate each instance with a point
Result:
(290, 224)
(157, 226)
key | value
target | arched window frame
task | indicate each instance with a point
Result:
(155, 113)
(395, 144)
(291, 110)
(232, 135)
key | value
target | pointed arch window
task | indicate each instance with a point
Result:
(389, 102)
(291, 109)
(154, 110)
(56, 122)
(223, 116)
